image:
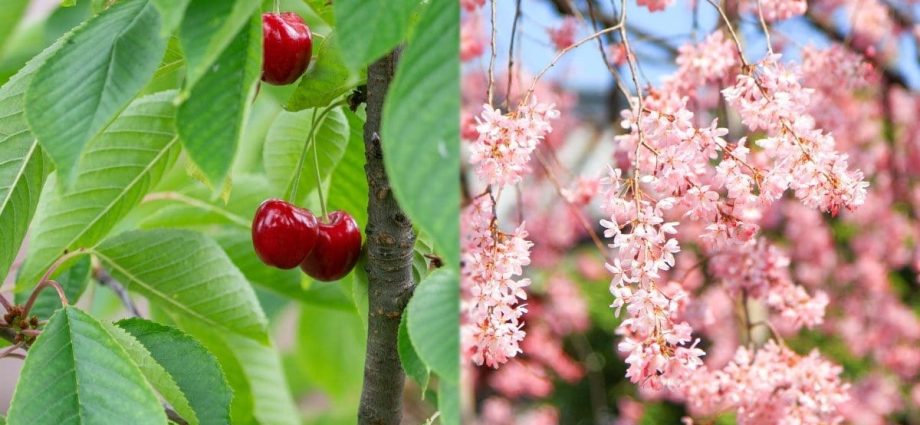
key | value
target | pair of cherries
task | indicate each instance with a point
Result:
(287, 45)
(286, 236)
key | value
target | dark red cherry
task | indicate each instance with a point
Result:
(282, 234)
(338, 247)
(286, 47)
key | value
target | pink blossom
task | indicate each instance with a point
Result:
(472, 43)
(713, 59)
(472, 5)
(777, 10)
(655, 5)
(519, 378)
(564, 35)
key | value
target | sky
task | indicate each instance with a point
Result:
(583, 69)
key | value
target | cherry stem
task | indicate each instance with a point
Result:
(319, 184)
(295, 182)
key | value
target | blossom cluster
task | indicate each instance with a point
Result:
(771, 385)
(774, 101)
(681, 169)
(759, 270)
(501, 155)
(658, 349)
(492, 264)
(731, 213)
(777, 10)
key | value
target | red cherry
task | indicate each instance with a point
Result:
(282, 234)
(286, 47)
(338, 247)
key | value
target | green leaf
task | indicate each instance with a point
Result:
(330, 347)
(420, 133)
(193, 367)
(155, 373)
(171, 12)
(260, 370)
(242, 402)
(115, 173)
(73, 279)
(434, 312)
(349, 183)
(187, 274)
(24, 166)
(325, 81)
(370, 28)
(323, 9)
(79, 90)
(10, 16)
(193, 206)
(287, 283)
(76, 373)
(209, 31)
(211, 120)
(411, 363)
(285, 142)
(449, 402)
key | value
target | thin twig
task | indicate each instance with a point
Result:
(514, 25)
(581, 219)
(492, 56)
(533, 85)
(731, 30)
(174, 416)
(105, 279)
(763, 24)
(9, 351)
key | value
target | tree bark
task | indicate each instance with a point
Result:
(390, 241)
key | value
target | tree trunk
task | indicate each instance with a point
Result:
(390, 241)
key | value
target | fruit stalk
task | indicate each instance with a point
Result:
(390, 241)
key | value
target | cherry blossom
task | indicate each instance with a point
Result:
(501, 155)
(492, 263)
(564, 35)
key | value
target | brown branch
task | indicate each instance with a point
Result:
(390, 240)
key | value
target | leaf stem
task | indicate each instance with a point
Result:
(46, 281)
(38, 289)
